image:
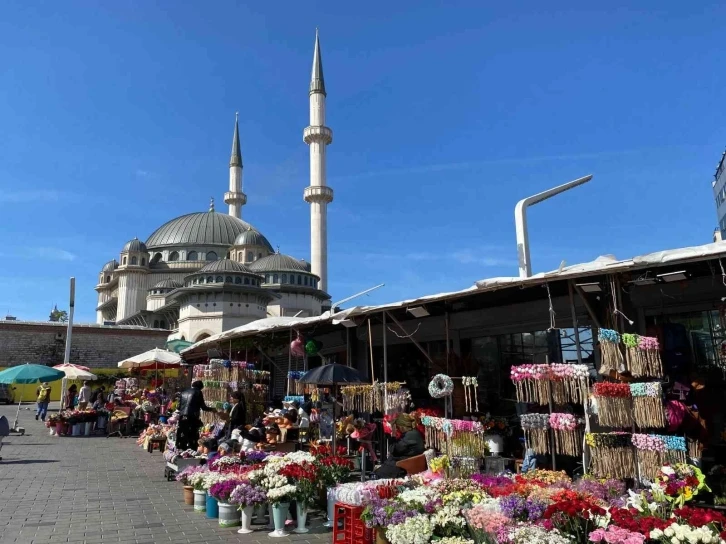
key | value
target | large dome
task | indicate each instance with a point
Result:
(198, 229)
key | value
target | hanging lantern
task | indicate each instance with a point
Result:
(297, 347)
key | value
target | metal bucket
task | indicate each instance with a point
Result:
(200, 501)
(229, 515)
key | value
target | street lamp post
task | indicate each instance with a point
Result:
(520, 219)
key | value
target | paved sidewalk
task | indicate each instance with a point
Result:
(97, 489)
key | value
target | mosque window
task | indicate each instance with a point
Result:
(210, 279)
(123, 261)
(238, 280)
(211, 256)
(174, 256)
(274, 278)
(247, 281)
(299, 280)
(259, 255)
(306, 280)
(192, 256)
(250, 256)
(143, 261)
(267, 278)
(108, 279)
(156, 323)
(220, 279)
(162, 324)
(228, 279)
(134, 260)
(284, 278)
(156, 258)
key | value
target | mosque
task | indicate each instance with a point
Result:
(204, 273)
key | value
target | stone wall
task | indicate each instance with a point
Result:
(95, 346)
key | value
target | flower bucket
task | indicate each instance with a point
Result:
(229, 515)
(245, 520)
(101, 423)
(212, 507)
(381, 536)
(279, 514)
(188, 495)
(302, 517)
(495, 443)
(331, 508)
(147, 417)
(76, 429)
(60, 428)
(51, 431)
(87, 428)
(200, 500)
(270, 517)
(260, 514)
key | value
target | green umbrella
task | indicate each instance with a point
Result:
(29, 373)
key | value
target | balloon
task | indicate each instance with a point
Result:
(297, 347)
(311, 348)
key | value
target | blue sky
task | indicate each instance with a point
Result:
(117, 117)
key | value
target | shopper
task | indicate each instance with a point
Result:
(43, 393)
(238, 413)
(99, 396)
(84, 396)
(190, 406)
(70, 398)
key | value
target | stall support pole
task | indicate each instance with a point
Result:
(385, 367)
(69, 333)
(578, 346)
(370, 350)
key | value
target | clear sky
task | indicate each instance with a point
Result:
(116, 117)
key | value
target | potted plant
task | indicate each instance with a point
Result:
(220, 492)
(279, 498)
(496, 428)
(246, 497)
(184, 476)
(196, 480)
(305, 475)
(333, 470)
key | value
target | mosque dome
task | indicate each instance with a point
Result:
(278, 262)
(167, 284)
(199, 229)
(134, 245)
(253, 237)
(225, 265)
(110, 266)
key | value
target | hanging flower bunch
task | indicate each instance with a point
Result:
(654, 451)
(611, 357)
(614, 404)
(569, 383)
(568, 439)
(535, 428)
(441, 386)
(532, 383)
(612, 454)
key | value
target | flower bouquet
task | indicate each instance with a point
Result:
(185, 475)
(574, 518)
(246, 494)
(486, 523)
(226, 463)
(305, 476)
(223, 490)
(681, 482)
(282, 494)
(334, 470)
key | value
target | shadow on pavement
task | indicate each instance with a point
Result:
(28, 462)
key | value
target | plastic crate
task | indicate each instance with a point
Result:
(348, 528)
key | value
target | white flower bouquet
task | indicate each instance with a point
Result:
(281, 494)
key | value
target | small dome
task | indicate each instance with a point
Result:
(279, 263)
(110, 266)
(253, 237)
(225, 265)
(134, 245)
(168, 284)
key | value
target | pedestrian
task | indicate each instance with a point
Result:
(84, 396)
(238, 413)
(70, 399)
(190, 406)
(43, 393)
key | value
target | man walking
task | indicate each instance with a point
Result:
(43, 393)
(84, 396)
(190, 405)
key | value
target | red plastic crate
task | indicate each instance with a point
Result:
(348, 528)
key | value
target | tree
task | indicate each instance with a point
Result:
(58, 315)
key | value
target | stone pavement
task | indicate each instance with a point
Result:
(97, 489)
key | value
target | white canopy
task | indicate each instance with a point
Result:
(150, 358)
(75, 372)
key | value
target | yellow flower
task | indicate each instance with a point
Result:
(688, 493)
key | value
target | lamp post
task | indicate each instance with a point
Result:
(520, 220)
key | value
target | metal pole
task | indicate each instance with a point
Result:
(578, 346)
(520, 221)
(69, 333)
(385, 367)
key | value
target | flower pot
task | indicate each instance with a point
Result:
(495, 443)
(200, 500)
(101, 423)
(279, 515)
(60, 428)
(76, 429)
(331, 508)
(260, 511)
(302, 517)
(87, 428)
(212, 507)
(245, 520)
(381, 536)
(188, 495)
(228, 515)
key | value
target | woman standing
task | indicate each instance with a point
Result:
(70, 398)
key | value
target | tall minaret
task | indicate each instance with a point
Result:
(235, 197)
(318, 195)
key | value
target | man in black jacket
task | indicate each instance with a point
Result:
(190, 405)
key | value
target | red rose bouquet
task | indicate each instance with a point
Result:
(305, 477)
(334, 470)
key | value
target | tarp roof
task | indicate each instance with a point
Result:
(602, 265)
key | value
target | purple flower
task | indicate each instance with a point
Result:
(222, 490)
(518, 508)
(488, 481)
(253, 457)
(247, 495)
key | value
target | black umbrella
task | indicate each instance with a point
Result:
(332, 374)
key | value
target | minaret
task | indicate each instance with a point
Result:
(318, 195)
(235, 197)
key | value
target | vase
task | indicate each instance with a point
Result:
(212, 507)
(331, 508)
(228, 515)
(260, 514)
(101, 423)
(188, 495)
(302, 517)
(76, 429)
(381, 536)
(246, 520)
(279, 514)
(495, 443)
(200, 500)
(270, 517)
(87, 428)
